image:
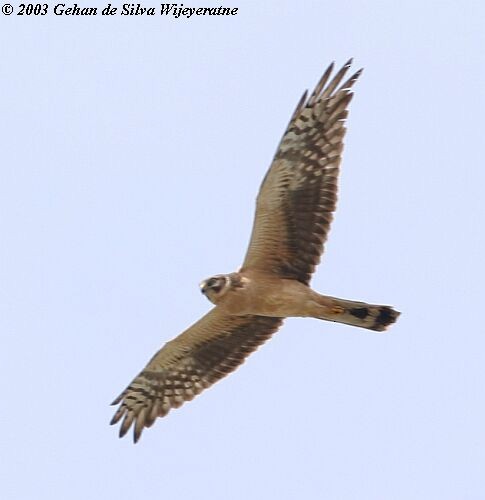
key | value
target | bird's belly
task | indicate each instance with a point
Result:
(279, 300)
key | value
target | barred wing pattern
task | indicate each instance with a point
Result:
(206, 352)
(299, 193)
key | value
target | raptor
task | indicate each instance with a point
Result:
(294, 210)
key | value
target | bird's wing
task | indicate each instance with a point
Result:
(207, 351)
(298, 195)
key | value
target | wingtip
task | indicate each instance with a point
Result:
(117, 400)
(113, 420)
(303, 98)
(358, 73)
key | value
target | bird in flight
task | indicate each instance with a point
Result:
(293, 214)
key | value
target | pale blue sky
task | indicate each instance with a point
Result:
(132, 151)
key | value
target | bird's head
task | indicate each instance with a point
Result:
(215, 288)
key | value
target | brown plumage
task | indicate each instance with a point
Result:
(210, 349)
(298, 195)
(293, 215)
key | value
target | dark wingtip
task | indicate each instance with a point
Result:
(357, 73)
(117, 400)
(348, 84)
(114, 420)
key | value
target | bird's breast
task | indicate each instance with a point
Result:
(266, 298)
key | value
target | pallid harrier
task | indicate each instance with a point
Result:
(293, 214)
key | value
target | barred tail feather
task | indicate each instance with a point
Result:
(361, 314)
